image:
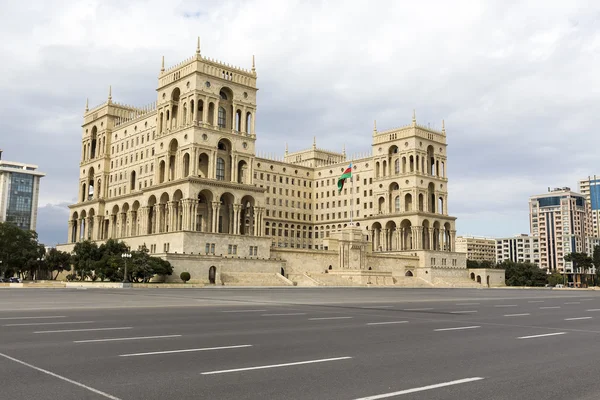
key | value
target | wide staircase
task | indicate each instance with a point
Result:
(253, 279)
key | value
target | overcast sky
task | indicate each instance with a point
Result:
(515, 81)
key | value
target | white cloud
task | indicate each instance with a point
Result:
(516, 82)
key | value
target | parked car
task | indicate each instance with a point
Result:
(560, 285)
(4, 280)
(14, 280)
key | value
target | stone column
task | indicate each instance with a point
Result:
(97, 232)
(215, 216)
(70, 233)
(452, 240)
(236, 218)
(243, 126)
(234, 167)
(252, 117)
(173, 216)
(255, 221)
(386, 233)
(372, 232)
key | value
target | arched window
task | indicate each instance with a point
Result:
(220, 169)
(397, 166)
(221, 120)
(397, 204)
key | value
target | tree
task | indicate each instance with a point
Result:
(86, 253)
(58, 261)
(523, 274)
(185, 276)
(555, 279)
(596, 262)
(581, 262)
(18, 248)
(473, 264)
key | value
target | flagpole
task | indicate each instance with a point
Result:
(351, 193)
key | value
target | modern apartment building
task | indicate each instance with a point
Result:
(519, 248)
(590, 188)
(562, 221)
(477, 248)
(19, 193)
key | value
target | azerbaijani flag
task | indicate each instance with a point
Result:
(347, 174)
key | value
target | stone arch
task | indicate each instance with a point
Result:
(408, 202)
(441, 205)
(93, 141)
(403, 164)
(225, 216)
(376, 241)
(247, 217)
(75, 226)
(473, 276)
(163, 213)
(161, 171)
(430, 160)
(431, 197)
(238, 120)
(447, 244)
(89, 195)
(203, 219)
(391, 240)
(478, 278)
(177, 209)
(224, 160)
(249, 122)
(412, 163)
(242, 172)
(82, 225)
(134, 228)
(212, 274)
(426, 243)
(436, 235)
(203, 164)
(152, 212)
(377, 169)
(211, 113)
(381, 205)
(175, 94)
(186, 165)
(421, 202)
(408, 273)
(393, 150)
(173, 147)
(406, 239)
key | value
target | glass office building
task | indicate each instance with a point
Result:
(19, 192)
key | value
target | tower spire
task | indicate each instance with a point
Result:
(414, 120)
(314, 142)
(286, 148)
(253, 64)
(344, 150)
(162, 64)
(87, 103)
(375, 125)
(109, 93)
(198, 47)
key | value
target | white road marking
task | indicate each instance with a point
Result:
(505, 305)
(281, 315)
(275, 365)
(467, 304)
(573, 302)
(544, 335)
(387, 323)
(241, 311)
(463, 312)
(547, 308)
(456, 329)
(185, 350)
(536, 301)
(322, 318)
(48, 317)
(593, 309)
(516, 315)
(51, 323)
(125, 338)
(587, 299)
(575, 319)
(421, 389)
(368, 308)
(87, 330)
(417, 309)
(91, 389)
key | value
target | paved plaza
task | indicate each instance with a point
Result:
(296, 343)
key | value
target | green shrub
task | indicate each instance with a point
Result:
(185, 276)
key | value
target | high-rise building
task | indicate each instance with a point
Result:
(562, 221)
(183, 177)
(520, 248)
(19, 193)
(590, 188)
(477, 248)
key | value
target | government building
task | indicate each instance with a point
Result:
(182, 176)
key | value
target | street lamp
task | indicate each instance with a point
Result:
(125, 256)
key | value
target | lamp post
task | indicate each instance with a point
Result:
(125, 256)
(73, 254)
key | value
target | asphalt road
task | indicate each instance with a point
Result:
(295, 343)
